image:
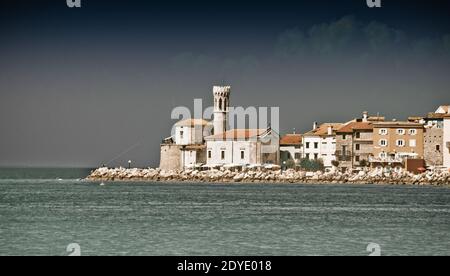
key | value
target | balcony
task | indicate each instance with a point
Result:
(343, 155)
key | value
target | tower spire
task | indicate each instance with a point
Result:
(221, 108)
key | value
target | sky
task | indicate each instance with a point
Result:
(87, 86)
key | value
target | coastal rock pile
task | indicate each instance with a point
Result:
(269, 176)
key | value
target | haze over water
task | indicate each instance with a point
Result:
(41, 217)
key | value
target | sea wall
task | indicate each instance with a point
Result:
(269, 176)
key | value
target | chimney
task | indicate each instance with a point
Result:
(315, 125)
(330, 130)
(365, 116)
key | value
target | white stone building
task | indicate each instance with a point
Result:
(238, 146)
(186, 148)
(447, 142)
(320, 143)
(242, 147)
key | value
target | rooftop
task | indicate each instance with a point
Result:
(350, 127)
(291, 140)
(322, 130)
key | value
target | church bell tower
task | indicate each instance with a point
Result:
(221, 108)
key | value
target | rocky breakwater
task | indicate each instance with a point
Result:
(269, 176)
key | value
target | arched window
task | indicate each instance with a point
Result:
(220, 104)
(225, 104)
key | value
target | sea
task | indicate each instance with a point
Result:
(55, 212)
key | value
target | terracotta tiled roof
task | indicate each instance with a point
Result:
(192, 123)
(238, 134)
(349, 128)
(291, 140)
(323, 129)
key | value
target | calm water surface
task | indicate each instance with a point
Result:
(41, 217)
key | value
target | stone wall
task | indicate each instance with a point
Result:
(170, 157)
(433, 137)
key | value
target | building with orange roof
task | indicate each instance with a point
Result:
(291, 149)
(320, 143)
(395, 142)
(354, 144)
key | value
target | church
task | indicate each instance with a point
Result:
(198, 143)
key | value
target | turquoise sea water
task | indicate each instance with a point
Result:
(42, 216)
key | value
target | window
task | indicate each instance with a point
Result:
(383, 155)
(223, 155)
(307, 145)
(400, 143)
(344, 137)
(412, 143)
(357, 147)
(297, 156)
(383, 142)
(438, 148)
(413, 132)
(316, 156)
(400, 131)
(181, 134)
(316, 145)
(209, 154)
(307, 156)
(383, 131)
(242, 154)
(357, 158)
(358, 135)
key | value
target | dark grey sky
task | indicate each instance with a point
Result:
(80, 86)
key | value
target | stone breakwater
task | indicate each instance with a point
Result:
(269, 176)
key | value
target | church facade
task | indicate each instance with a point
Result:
(200, 143)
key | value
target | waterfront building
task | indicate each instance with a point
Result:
(446, 153)
(242, 147)
(291, 149)
(238, 147)
(354, 143)
(199, 143)
(320, 143)
(187, 147)
(395, 142)
(434, 137)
